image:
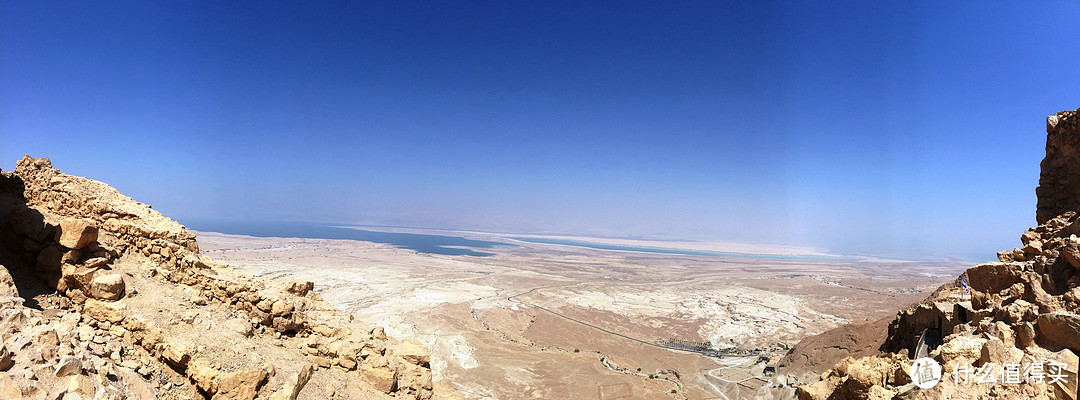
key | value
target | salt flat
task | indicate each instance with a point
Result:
(556, 321)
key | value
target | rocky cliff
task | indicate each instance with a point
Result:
(1007, 329)
(102, 297)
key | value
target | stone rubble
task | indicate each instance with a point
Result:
(121, 305)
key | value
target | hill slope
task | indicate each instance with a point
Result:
(103, 297)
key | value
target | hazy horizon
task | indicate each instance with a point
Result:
(890, 128)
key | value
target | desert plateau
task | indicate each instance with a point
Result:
(546, 321)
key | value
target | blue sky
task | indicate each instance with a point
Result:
(894, 128)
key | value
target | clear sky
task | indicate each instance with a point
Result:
(910, 128)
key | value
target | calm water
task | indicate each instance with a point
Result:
(660, 250)
(432, 244)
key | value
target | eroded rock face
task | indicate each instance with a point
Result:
(1058, 190)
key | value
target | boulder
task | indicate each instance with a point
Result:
(177, 355)
(239, 325)
(68, 366)
(102, 311)
(240, 385)
(1061, 328)
(107, 287)
(1068, 388)
(299, 287)
(413, 377)
(204, 374)
(413, 352)
(294, 384)
(76, 233)
(380, 378)
(993, 351)
(81, 385)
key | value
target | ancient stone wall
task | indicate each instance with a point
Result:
(1059, 183)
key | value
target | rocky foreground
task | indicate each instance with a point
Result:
(1013, 332)
(102, 297)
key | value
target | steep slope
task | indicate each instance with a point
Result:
(1007, 329)
(116, 302)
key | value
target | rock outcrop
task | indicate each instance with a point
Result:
(1008, 329)
(1059, 191)
(103, 297)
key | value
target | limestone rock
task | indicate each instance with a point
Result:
(294, 384)
(68, 365)
(413, 352)
(379, 378)
(1060, 328)
(240, 326)
(107, 287)
(299, 287)
(76, 233)
(413, 378)
(81, 385)
(8, 388)
(102, 311)
(240, 385)
(177, 355)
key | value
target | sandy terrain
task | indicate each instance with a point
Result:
(553, 321)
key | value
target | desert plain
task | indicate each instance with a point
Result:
(550, 321)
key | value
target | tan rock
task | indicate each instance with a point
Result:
(966, 348)
(103, 311)
(413, 352)
(820, 390)
(177, 355)
(8, 388)
(238, 325)
(299, 287)
(413, 377)
(294, 384)
(5, 358)
(1060, 328)
(68, 365)
(321, 362)
(993, 351)
(76, 233)
(204, 374)
(382, 379)
(107, 287)
(378, 333)
(136, 386)
(1068, 388)
(240, 385)
(81, 385)
(880, 393)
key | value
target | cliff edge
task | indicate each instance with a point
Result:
(1008, 329)
(102, 297)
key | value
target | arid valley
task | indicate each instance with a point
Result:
(550, 321)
